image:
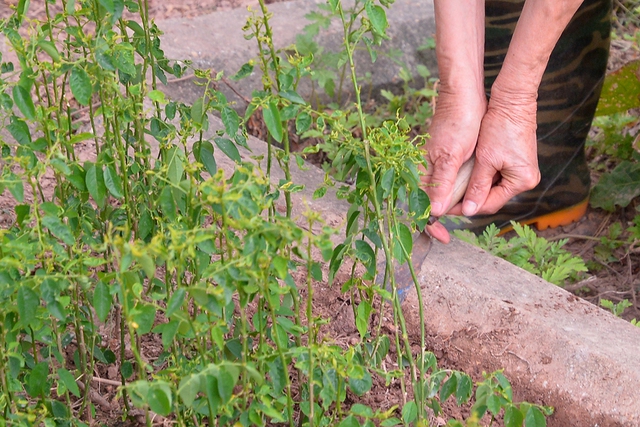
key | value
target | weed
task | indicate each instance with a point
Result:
(529, 251)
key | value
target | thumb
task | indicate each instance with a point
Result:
(482, 179)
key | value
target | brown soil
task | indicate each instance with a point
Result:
(615, 280)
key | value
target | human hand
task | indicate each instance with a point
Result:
(454, 134)
(506, 153)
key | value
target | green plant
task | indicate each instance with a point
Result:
(529, 251)
(616, 309)
(141, 237)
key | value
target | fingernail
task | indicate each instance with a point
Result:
(436, 209)
(469, 208)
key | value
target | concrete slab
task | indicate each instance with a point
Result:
(217, 41)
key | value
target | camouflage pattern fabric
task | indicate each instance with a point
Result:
(567, 99)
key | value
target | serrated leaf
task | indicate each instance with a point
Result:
(617, 188)
(229, 148)
(102, 301)
(271, 116)
(80, 84)
(23, 101)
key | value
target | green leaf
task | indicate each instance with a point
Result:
(123, 58)
(38, 380)
(420, 206)
(80, 86)
(189, 389)
(390, 422)
(271, 116)
(102, 301)
(494, 404)
(621, 90)
(204, 152)
(50, 49)
(144, 316)
(226, 383)
(175, 165)
(23, 101)
(350, 421)
(293, 96)
(19, 130)
(409, 412)
(112, 181)
(512, 417)
(197, 111)
(94, 180)
(404, 236)
(157, 96)
(230, 119)
(363, 312)
(360, 386)
(366, 256)
(243, 72)
(619, 187)
(387, 181)
(303, 122)
(59, 229)
(160, 398)
(449, 387)
(535, 418)
(464, 389)
(175, 302)
(229, 148)
(378, 18)
(126, 369)
(69, 381)
(28, 302)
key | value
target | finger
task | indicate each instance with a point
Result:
(506, 189)
(439, 232)
(479, 187)
(443, 175)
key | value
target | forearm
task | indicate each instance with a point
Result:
(540, 26)
(460, 45)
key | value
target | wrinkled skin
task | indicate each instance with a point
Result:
(502, 132)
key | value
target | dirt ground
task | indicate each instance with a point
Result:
(614, 281)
